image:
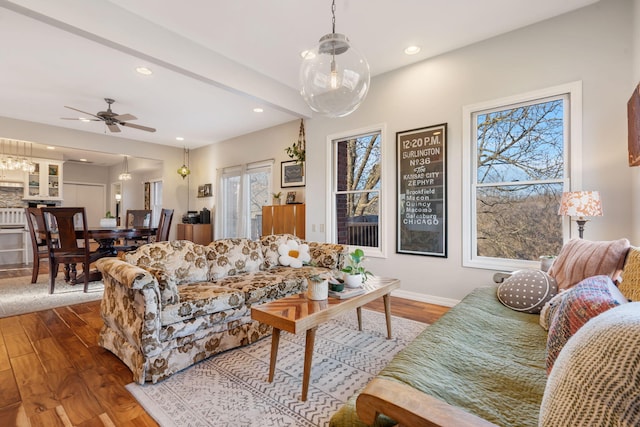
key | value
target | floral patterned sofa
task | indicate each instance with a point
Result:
(168, 305)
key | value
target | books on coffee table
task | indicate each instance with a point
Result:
(346, 293)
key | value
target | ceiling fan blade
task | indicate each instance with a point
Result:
(76, 118)
(133, 125)
(83, 112)
(113, 127)
(125, 117)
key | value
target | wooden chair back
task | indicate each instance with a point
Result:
(35, 223)
(138, 217)
(164, 225)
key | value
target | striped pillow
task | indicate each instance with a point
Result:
(579, 259)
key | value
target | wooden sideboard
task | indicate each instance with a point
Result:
(197, 233)
(278, 219)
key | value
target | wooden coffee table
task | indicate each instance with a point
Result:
(297, 313)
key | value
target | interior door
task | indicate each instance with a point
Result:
(91, 196)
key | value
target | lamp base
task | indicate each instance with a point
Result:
(581, 222)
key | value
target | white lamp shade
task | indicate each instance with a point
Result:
(334, 77)
(580, 204)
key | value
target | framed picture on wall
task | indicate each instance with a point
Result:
(633, 117)
(292, 174)
(422, 191)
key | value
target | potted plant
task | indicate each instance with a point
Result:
(318, 289)
(276, 197)
(356, 274)
(108, 220)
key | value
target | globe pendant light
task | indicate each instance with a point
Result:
(334, 76)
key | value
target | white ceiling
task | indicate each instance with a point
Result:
(213, 61)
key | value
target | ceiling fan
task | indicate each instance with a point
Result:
(111, 119)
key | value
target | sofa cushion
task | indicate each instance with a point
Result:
(583, 302)
(182, 260)
(579, 259)
(270, 245)
(263, 286)
(630, 285)
(200, 299)
(228, 257)
(167, 285)
(548, 312)
(327, 255)
(527, 290)
(595, 381)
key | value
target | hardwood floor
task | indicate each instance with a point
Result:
(51, 366)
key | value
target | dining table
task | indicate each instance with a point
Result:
(106, 238)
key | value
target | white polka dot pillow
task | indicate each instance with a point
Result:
(527, 290)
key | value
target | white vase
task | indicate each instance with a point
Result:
(318, 291)
(108, 222)
(353, 280)
(545, 262)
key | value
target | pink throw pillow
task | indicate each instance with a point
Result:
(579, 259)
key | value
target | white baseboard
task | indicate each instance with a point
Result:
(429, 299)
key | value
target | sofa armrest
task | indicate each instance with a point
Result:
(127, 275)
(131, 304)
(410, 407)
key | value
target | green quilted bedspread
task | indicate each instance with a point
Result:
(480, 356)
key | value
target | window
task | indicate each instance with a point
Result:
(518, 166)
(156, 201)
(243, 191)
(356, 190)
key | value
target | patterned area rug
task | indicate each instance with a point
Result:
(231, 389)
(18, 295)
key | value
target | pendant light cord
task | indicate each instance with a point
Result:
(333, 16)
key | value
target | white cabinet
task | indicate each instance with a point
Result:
(45, 182)
(12, 175)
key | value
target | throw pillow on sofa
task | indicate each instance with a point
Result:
(630, 285)
(270, 245)
(579, 259)
(581, 303)
(527, 290)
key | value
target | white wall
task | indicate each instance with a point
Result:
(592, 45)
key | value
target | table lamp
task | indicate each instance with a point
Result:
(580, 204)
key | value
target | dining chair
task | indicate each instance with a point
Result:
(136, 218)
(35, 222)
(164, 225)
(60, 224)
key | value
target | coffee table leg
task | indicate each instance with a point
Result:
(387, 313)
(275, 340)
(359, 312)
(308, 357)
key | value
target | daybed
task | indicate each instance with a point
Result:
(168, 305)
(485, 363)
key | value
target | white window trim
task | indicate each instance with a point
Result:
(573, 181)
(330, 235)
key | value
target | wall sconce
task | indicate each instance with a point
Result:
(183, 171)
(580, 204)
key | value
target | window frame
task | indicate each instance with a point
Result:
(573, 167)
(331, 179)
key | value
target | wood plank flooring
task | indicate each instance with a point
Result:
(52, 369)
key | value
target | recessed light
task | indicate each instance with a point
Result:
(258, 110)
(144, 71)
(412, 50)
(49, 147)
(84, 119)
(83, 160)
(179, 138)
